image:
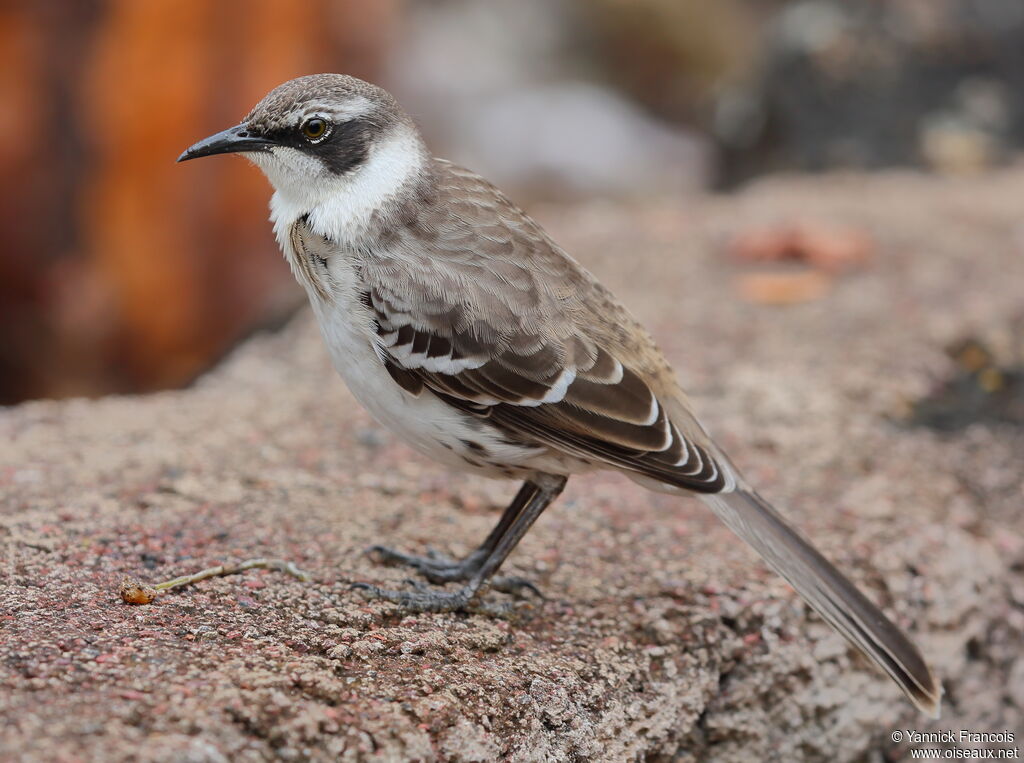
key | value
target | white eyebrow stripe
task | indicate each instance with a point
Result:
(353, 108)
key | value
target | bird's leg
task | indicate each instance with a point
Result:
(537, 496)
(438, 569)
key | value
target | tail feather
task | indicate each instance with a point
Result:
(831, 594)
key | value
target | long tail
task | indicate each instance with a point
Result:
(826, 589)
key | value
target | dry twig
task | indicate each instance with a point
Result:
(134, 591)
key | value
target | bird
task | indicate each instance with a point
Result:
(461, 325)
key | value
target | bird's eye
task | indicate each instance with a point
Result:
(314, 128)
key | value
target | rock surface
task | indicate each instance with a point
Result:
(660, 638)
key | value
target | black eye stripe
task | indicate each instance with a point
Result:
(346, 146)
(343, 146)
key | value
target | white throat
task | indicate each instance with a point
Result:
(341, 208)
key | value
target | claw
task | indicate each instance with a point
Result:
(515, 586)
(376, 549)
(386, 554)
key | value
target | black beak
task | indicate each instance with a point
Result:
(229, 141)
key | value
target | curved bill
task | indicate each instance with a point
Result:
(230, 141)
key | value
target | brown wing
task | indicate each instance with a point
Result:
(476, 305)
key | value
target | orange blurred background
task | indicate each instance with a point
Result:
(121, 271)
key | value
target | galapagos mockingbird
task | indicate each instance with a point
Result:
(464, 328)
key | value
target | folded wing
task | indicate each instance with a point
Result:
(563, 390)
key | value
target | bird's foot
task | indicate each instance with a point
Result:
(425, 599)
(439, 569)
(435, 567)
(422, 599)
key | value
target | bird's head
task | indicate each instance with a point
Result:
(314, 133)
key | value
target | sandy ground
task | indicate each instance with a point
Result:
(661, 636)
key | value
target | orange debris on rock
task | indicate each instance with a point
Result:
(822, 252)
